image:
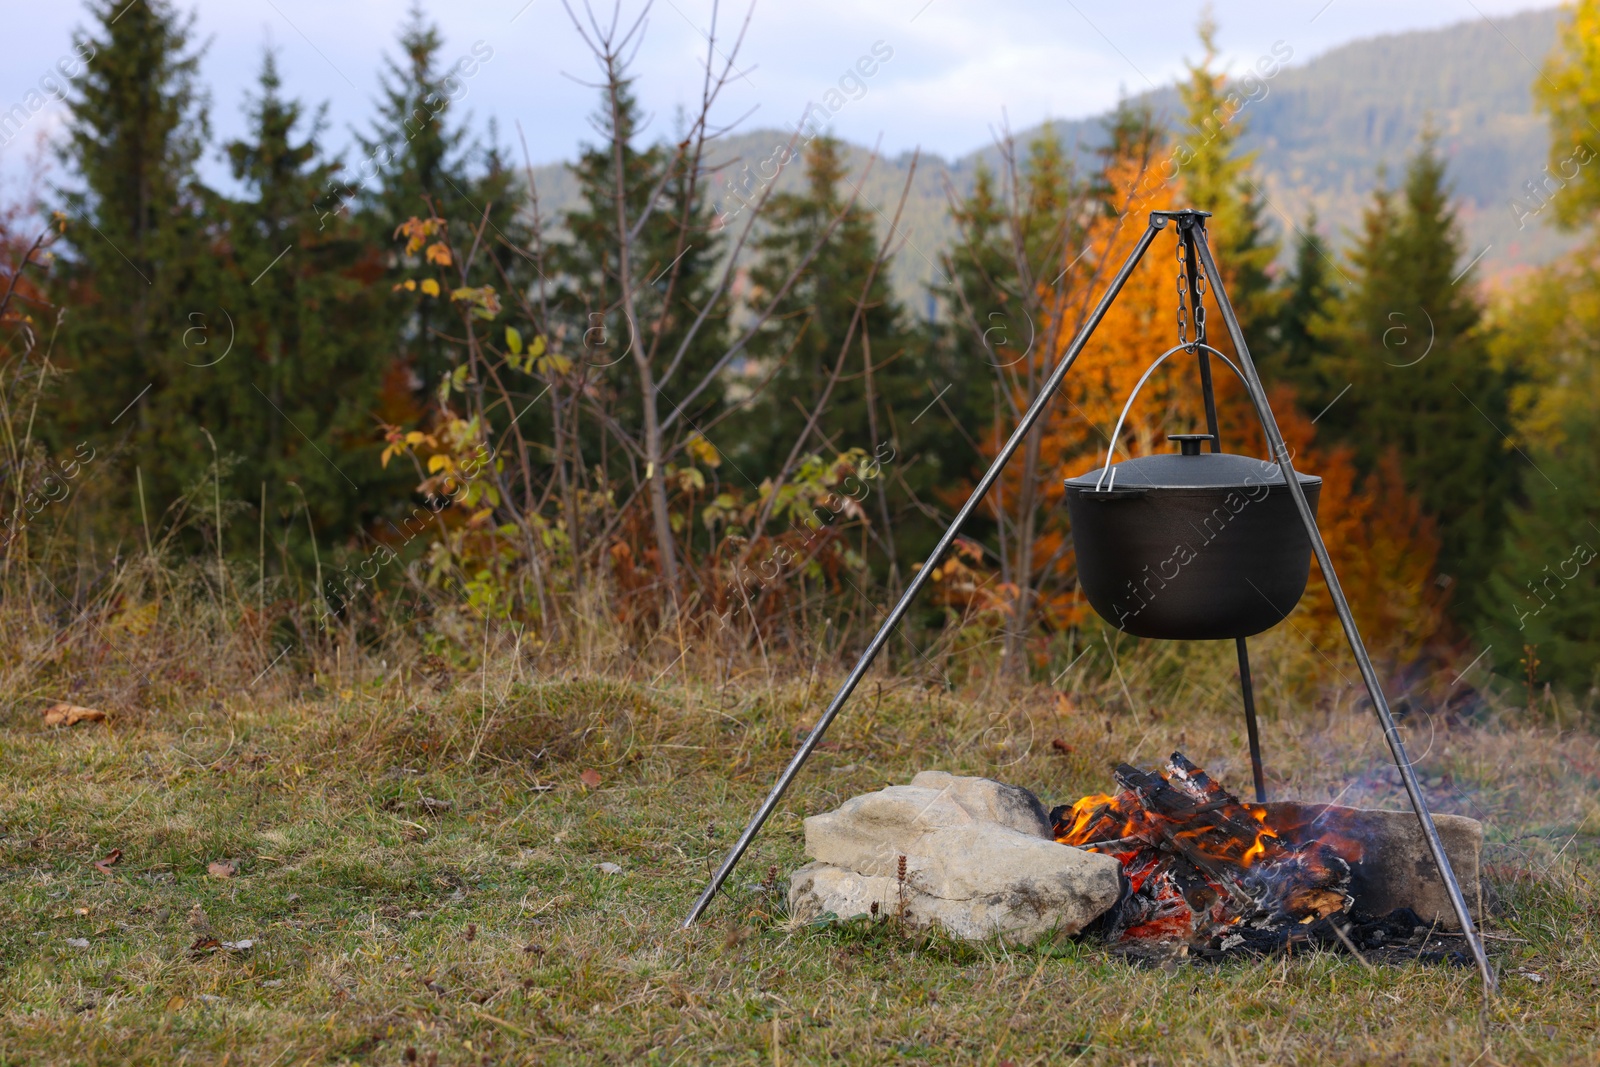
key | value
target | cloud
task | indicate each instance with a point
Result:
(959, 68)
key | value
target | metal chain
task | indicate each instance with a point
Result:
(1183, 300)
(1183, 297)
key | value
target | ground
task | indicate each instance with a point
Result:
(418, 870)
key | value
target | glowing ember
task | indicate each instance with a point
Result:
(1203, 866)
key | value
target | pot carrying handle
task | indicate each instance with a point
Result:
(1116, 434)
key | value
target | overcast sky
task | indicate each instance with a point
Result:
(957, 69)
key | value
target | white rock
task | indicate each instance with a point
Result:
(869, 833)
(979, 861)
(987, 799)
(609, 868)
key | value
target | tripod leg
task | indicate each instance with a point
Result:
(898, 612)
(1380, 704)
(1191, 231)
(1249, 691)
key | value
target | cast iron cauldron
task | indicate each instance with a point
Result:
(1191, 546)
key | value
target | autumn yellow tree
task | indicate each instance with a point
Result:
(1382, 545)
(1041, 245)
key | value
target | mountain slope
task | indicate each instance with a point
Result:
(1321, 132)
(1327, 126)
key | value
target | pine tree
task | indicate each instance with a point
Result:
(1020, 239)
(1409, 342)
(1217, 178)
(1546, 590)
(675, 259)
(991, 322)
(298, 400)
(143, 254)
(803, 343)
(1294, 354)
(419, 160)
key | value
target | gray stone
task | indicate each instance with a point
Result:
(985, 798)
(869, 833)
(979, 861)
(1397, 870)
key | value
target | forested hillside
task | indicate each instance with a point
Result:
(1322, 130)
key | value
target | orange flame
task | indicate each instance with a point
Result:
(1241, 860)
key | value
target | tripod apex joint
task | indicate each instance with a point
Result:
(1186, 216)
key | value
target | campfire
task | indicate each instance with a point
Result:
(1207, 869)
(1171, 866)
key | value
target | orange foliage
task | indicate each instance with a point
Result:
(1382, 545)
(1384, 550)
(1138, 327)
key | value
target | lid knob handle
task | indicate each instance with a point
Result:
(1190, 442)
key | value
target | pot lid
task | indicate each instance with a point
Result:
(1192, 469)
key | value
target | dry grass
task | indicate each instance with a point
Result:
(417, 867)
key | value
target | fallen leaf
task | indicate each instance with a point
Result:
(239, 946)
(609, 868)
(1061, 747)
(80, 911)
(472, 931)
(205, 944)
(78, 942)
(71, 715)
(175, 1003)
(1532, 976)
(590, 778)
(108, 861)
(221, 869)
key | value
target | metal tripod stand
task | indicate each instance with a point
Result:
(1192, 235)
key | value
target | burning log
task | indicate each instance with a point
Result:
(1204, 867)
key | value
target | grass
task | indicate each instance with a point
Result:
(417, 867)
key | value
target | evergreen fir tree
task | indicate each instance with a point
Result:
(418, 160)
(674, 265)
(1294, 354)
(1216, 178)
(1546, 590)
(800, 345)
(299, 397)
(992, 347)
(1410, 343)
(143, 255)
